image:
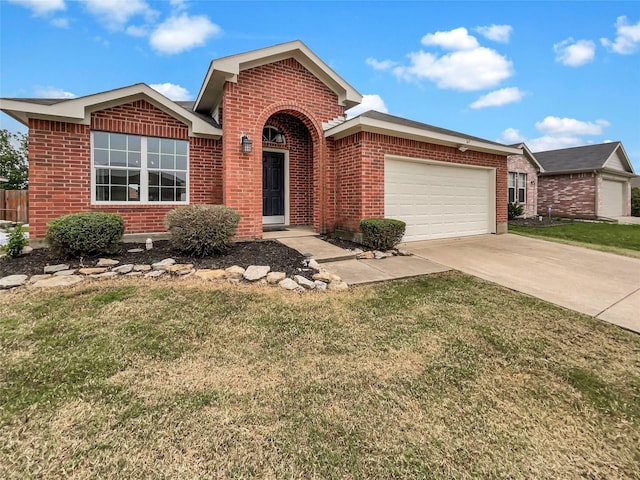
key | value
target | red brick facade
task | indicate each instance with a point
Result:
(332, 183)
(573, 194)
(520, 164)
(60, 166)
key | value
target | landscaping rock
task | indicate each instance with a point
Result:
(327, 277)
(141, 268)
(320, 286)
(256, 272)
(92, 270)
(304, 282)
(56, 268)
(209, 274)
(314, 264)
(107, 262)
(289, 284)
(402, 253)
(135, 250)
(275, 277)
(235, 272)
(35, 278)
(133, 274)
(104, 276)
(123, 269)
(338, 286)
(180, 268)
(377, 254)
(154, 274)
(163, 264)
(54, 282)
(62, 273)
(365, 256)
(26, 250)
(13, 281)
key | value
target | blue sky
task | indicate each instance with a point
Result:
(554, 74)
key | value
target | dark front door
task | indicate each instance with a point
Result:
(272, 187)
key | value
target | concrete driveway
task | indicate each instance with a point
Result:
(603, 285)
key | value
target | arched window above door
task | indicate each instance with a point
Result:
(272, 135)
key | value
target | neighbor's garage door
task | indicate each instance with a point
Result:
(438, 200)
(612, 194)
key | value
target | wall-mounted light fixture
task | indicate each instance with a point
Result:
(246, 144)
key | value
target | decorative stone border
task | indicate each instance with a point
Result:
(62, 275)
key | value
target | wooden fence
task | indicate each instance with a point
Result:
(14, 205)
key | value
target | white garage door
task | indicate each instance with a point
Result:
(612, 195)
(439, 200)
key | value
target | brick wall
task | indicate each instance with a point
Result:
(572, 194)
(520, 164)
(60, 166)
(360, 173)
(280, 87)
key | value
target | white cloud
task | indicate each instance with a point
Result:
(60, 22)
(180, 33)
(627, 37)
(116, 13)
(499, 98)
(41, 7)
(369, 102)
(497, 33)
(137, 30)
(380, 65)
(574, 53)
(456, 39)
(477, 69)
(547, 142)
(563, 127)
(511, 136)
(52, 92)
(172, 91)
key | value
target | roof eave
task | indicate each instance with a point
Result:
(609, 171)
(364, 124)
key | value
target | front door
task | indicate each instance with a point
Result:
(273, 188)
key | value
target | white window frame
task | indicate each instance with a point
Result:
(144, 175)
(513, 175)
(521, 185)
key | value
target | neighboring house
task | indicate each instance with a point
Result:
(592, 181)
(266, 136)
(522, 180)
(635, 182)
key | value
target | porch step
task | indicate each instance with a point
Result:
(321, 251)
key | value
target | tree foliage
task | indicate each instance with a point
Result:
(635, 202)
(13, 160)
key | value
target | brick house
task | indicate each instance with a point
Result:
(592, 181)
(266, 136)
(522, 181)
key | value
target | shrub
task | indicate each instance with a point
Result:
(382, 233)
(201, 229)
(85, 234)
(635, 201)
(514, 210)
(16, 242)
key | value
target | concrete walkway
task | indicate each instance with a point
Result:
(343, 262)
(603, 285)
(628, 220)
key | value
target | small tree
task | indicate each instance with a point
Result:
(635, 201)
(13, 160)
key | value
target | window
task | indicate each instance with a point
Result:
(522, 188)
(273, 135)
(512, 187)
(131, 168)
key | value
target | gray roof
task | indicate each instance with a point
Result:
(588, 157)
(40, 101)
(207, 118)
(422, 126)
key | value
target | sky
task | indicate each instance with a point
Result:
(552, 74)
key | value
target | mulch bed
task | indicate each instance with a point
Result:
(535, 222)
(278, 256)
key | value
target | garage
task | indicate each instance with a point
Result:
(439, 200)
(612, 201)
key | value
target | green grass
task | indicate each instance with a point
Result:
(444, 376)
(623, 239)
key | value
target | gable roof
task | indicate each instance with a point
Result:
(383, 123)
(226, 69)
(583, 159)
(528, 154)
(78, 110)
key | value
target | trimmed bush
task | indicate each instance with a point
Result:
(514, 210)
(382, 233)
(16, 242)
(635, 201)
(201, 230)
(85, 234)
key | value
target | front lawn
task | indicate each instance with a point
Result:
(444, 376)
(605, 236)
